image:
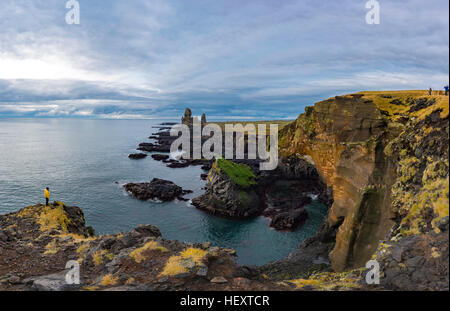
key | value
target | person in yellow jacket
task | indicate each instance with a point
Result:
(47, 195)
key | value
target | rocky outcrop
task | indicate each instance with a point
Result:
(151, 147)
(239, 189)
(417, 262)
(230, 191)
(42, 239)
(137, 156)
(187, 118)
(159, 189)
(289, 219)
(203, 119)
(160, 157)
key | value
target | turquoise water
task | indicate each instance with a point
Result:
(80, 160)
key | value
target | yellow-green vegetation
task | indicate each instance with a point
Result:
(90, 288)
(300, 283)
(331, 280)
(416, 205)
(130, 281)
(420, 195)
(48, 217)
(195, 254)
(241, 174)
(51, 248)
(173, 266)
(174, 263)
(382, 251)
(396, 102)
(83, 248)
(109, 280)
(435, 253)
(100, 255)
(53, 217)
(138, 254)
(433, 196)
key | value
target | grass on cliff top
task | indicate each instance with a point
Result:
(383, 99)
(48, 217)
(138, 254)
(326, 281)
(174, 264)
(241, 174)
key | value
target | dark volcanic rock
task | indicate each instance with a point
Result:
(150, 147)
(421, 103)
(160, 157)
(223, 197)
(289, 219)
(178, 164)
(187, 162)
(286, 190)
(136, 156)
(288, 210)
(160, 189)
(415, 263)
(148, 230)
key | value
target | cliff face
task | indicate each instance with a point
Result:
(346, 137)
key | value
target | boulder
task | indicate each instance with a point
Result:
(148, 230)
(219, 280)
(160, 189)
(289, 220)
(137, 156)
(160, 157)
(52, 282)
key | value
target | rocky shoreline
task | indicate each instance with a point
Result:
(274, 194)
(37, 241)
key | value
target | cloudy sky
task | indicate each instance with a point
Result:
(228, 58)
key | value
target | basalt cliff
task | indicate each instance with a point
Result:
(385, 155)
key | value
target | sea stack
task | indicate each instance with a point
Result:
(187, 118)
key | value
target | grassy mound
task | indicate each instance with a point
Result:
(241, 174)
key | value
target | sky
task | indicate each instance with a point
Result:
(230, 59)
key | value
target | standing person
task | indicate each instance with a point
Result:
(47, 195)
(429, 92)
(446, 90)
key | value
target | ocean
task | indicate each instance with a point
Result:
(85, 163)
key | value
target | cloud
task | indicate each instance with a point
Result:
(141, 59)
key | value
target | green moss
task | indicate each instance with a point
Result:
(241, 174)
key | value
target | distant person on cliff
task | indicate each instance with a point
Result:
(47, 195)
(429, 92)
(446, 90)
